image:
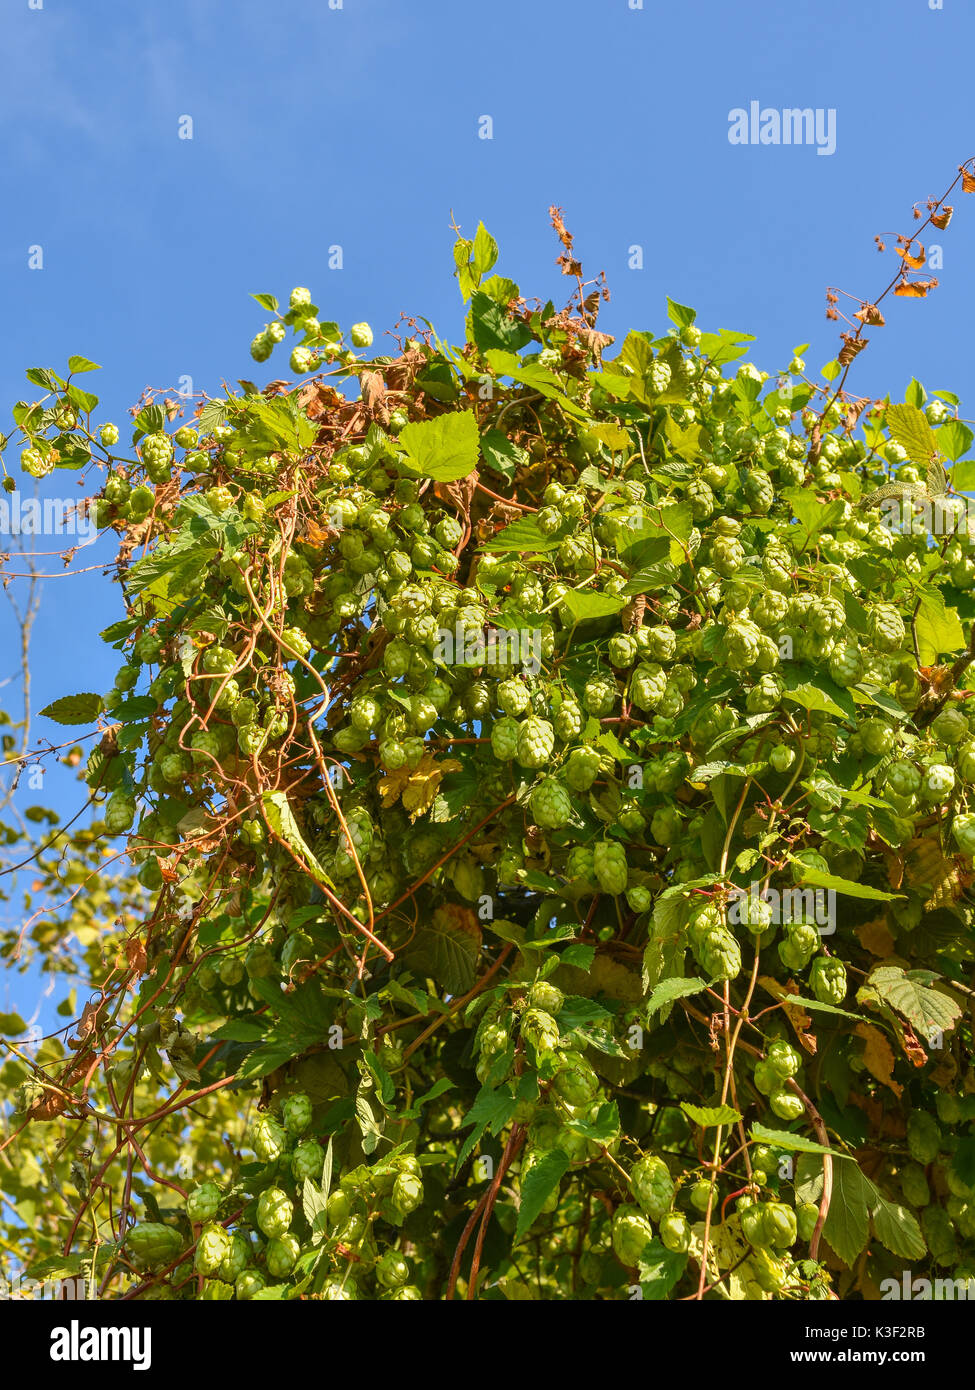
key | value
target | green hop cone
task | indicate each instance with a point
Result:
(675, 1232)
(407, 1193)
(360, 335)
(536, 740)
(652, 1186)
(151, 1245)
(296, 1112)
(120, 812)
(632, 1232)
(807, 1215)
(108, 434)
(203, 1203)
(551, 805)
(963, 832)
(783, 1059)
(393, 1270)
(923, 1137)
(216, 1291)
(719, 954)
(886, 628)
(786, 1104)
(274, 1211)
(212, 1249)
(308, 1161)
(600, 695)
(547, 997)
(281, 1255)
(268, 1139)
(609, 866)
(582, 768)
(639, 898)
(779, 1222)
(540, 1030)
(236, 1260)
(568, 721)
(249, 1283)
(827, 979)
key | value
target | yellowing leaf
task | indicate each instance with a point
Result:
(878, 1055)
(876, 938)
(417, 789)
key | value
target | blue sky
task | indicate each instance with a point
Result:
(358, 126)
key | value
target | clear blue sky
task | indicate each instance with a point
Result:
(359, 127)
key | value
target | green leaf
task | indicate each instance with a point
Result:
(680, 314)
(908, 992)
(43, 376)
(502, 454)
(896, 1227)
(915, 395)
(82, 364)
(492, 326)
(280, 818)
(12, 1025)
(327, 1168)
(938, 628)
(832, 370)
(909, 427)
(710, 1116)
(782, 1139)
(604, 1128)
(538, 1186)
(485, 251)
(445, 954)
(74, 709)
(537, 378)
(315, 1207)
(847, 1224)
(267, 301)
(583, 604)
(491, 1111)
(846, 886)
(963, 476)
(812, 696)
(659, 1269)
(670, 990)
(523, 536)
(444, 448)
(819, 1007)
(151, 419)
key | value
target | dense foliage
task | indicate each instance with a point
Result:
(546, 775)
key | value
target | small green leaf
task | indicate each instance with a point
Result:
(782, 1139)
(896, 1227)
(710, 1116)
(659, 1269)
(82, 364)
(485, 251)
(582, 604)
(909, 428)
(538, 1186)
(267, 301)
(12, 1025)
(680, 314)
(669, 990)
(74, 709)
